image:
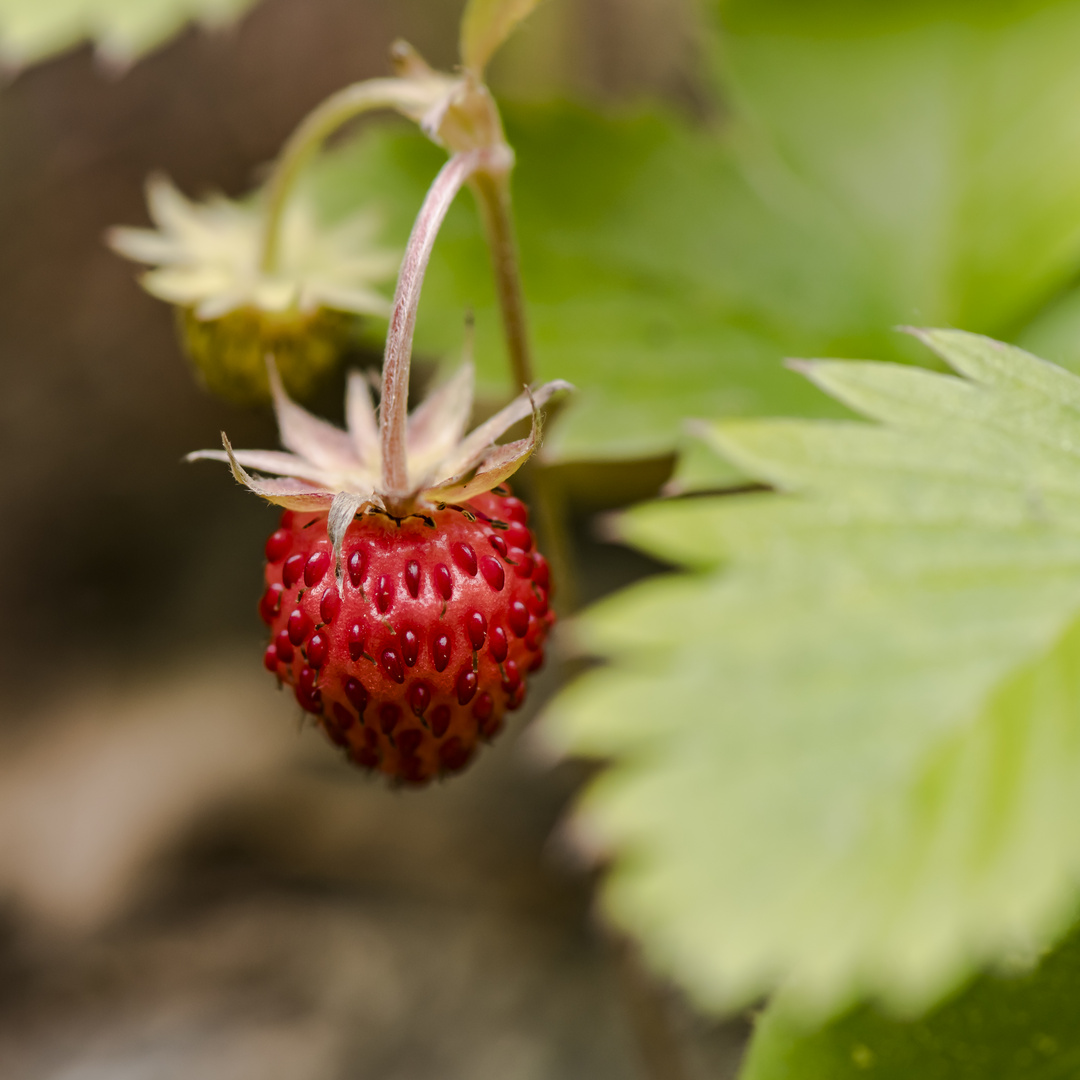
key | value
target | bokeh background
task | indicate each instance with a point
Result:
(191, 883)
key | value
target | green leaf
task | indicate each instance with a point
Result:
(1017, 1027)
(700, 467)
(846, 747)
(486, 24)
(31, 30)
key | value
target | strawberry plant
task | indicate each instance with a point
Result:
(838, 739)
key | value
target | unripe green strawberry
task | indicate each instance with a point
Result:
(425, 643)
(229, 353)
(237, 302)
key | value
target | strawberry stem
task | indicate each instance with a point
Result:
(395, 381)
(492, 191)
(314, 130)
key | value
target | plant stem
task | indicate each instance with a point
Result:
(395, 381)
(550, 506)
(323, 121)
(492, 192)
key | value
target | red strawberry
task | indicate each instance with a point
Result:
(426, 642)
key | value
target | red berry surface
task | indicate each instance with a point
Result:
(424, 645)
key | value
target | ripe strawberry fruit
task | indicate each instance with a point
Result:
(407, 623)
(425, 643)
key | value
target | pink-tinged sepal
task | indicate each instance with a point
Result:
(436, 426)
(306, 435)
(497, 465)
(473, 449)
(273, 462)
(361, 421)
(289, 492)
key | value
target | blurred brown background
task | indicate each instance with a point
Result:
(191, 885)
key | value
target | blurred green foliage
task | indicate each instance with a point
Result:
(1018, 1027)
(945, 135)
(32, 30)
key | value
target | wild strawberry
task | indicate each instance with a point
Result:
(407, 633)
(405, 601)
(424, 644)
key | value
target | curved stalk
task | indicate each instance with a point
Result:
(395, 380)
(320, 124)
(411, 96)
